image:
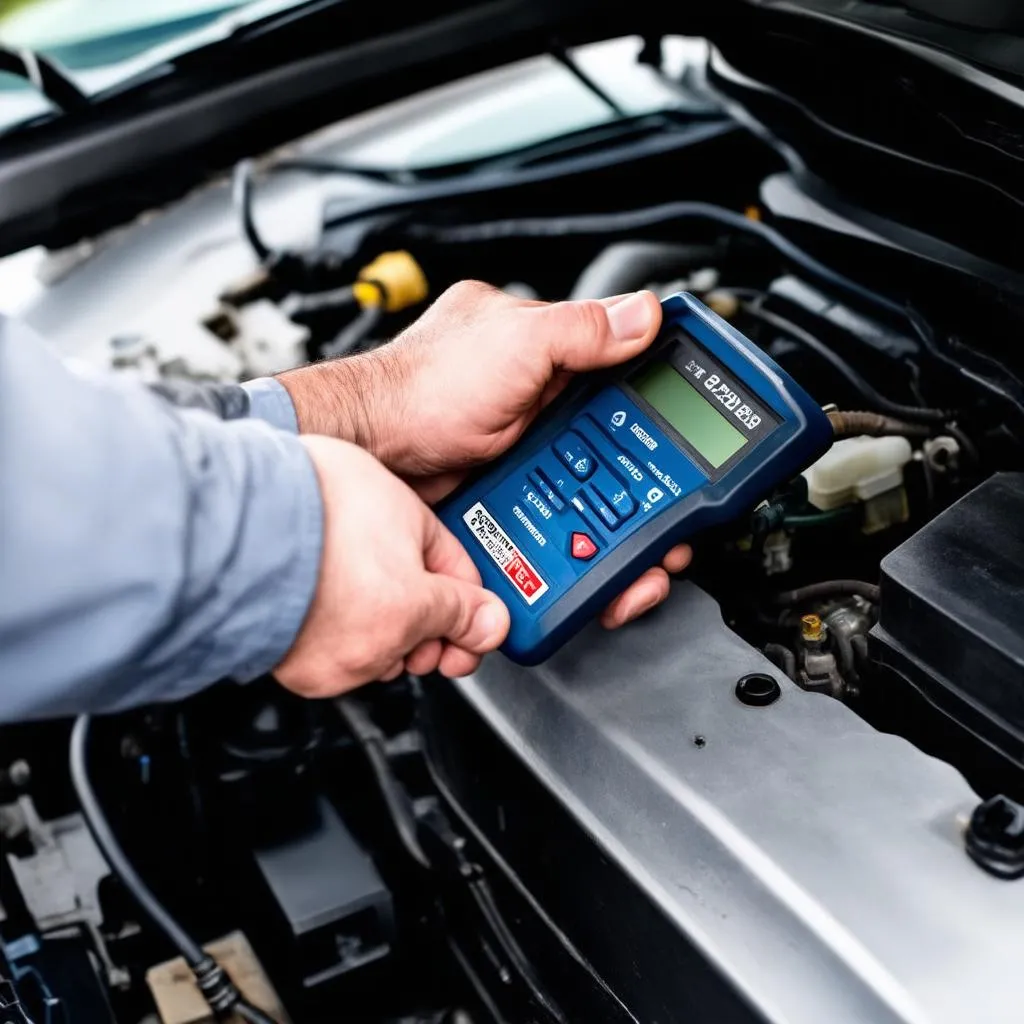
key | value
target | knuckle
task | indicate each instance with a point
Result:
(445, 608)
(465, 291)
(363, 657)
(587, 318)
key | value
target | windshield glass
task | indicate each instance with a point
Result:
(522, 104)
(102, 42)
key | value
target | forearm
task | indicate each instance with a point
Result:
(147, 550)
(357, 399)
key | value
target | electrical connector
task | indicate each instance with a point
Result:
(393, 280)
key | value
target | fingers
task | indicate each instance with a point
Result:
(456, 662)
(641, 596)
(443, 554)
(588, 335)
(433, 488)
(463, 613)
(393, 672)
(678, 558)
(425, 658)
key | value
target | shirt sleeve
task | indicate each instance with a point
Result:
(147, 549)
(269, 401)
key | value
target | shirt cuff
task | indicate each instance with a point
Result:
(269, 401)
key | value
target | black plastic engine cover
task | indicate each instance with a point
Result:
(952, 612)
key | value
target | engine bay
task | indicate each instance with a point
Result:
(788, 794)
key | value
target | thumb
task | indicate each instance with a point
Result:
(463, 613)
(596, 333)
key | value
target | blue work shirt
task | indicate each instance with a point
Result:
(152, 541)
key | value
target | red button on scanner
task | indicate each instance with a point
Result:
(583, 547)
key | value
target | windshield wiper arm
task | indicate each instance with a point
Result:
(46, 76)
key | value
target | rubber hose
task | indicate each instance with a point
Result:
(627, 266)
(827, 589)
(875, 424)
(844, 656)
(782, 657)
(630, 222)
(859, 643)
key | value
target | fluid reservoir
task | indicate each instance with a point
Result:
(865, 470)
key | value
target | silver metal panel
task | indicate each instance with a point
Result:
(817, 862)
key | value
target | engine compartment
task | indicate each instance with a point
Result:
(512, 846)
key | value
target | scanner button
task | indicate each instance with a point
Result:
(601, 507)
(577, 455)
(582, 546)
(622, 502)
(547, 491)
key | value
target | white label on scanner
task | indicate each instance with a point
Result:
(504, 553)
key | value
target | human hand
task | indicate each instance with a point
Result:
(396, 590)
(462, 383)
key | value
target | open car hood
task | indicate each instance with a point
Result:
(913, 113)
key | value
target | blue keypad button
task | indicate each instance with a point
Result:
(603, 509)
(621, 501)
(539, 481)
(576, 454)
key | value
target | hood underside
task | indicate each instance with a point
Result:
(914, 113)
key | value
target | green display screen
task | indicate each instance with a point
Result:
(709, 433)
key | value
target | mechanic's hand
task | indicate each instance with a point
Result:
(463, 382)
(396, 590)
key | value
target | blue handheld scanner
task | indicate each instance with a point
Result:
(624, 465)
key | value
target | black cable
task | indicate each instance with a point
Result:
(252, 1014)
(371, 740)
(216, 987)
(241, 196)
(967, 446)
(782, 657)
(628, 222)
(484, 900)
(115, 857)
(843, 368)
(566, 59)
(826, 589)
(488, 183)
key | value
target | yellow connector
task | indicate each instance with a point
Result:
(394, 278)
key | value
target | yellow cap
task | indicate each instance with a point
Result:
(811, 628)
(394, 278)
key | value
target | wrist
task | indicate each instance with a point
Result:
(355, 399)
